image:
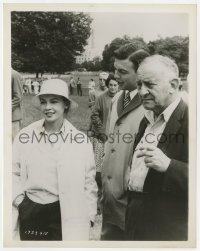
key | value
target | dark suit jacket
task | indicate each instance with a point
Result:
(165, 211)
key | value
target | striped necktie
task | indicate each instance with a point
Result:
(127, 99)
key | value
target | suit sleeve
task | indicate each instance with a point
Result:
(16, 90)
(176, 178)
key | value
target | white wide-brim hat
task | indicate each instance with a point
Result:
(55, 87)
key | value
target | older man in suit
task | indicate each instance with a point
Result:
(125, 116)
(158, 184)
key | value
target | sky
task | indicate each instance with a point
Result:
(108, 26)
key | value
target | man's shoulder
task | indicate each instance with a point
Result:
(16, 76)
(15, 73)
(181, 111)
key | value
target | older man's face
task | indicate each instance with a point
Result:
(154, 87)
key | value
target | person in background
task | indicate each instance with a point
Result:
(32, 86)
(124, 118)
(158, 182)
(91, 93)
(72, 84)
(91, 84)
(17, 94)
(36, 86)
(28, 84)
(182, 92)
(99, 118)
(79, 87)
(94, 93)
(101, 108)
(54, 188)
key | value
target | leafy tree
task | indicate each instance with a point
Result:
(176, 47)
(108, 53)
(48, 41)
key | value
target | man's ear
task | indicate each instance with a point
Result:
(174, 84)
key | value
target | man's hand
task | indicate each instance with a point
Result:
(91, 224)
(154, 158)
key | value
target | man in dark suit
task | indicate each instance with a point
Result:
(125, 116)
(158, 184)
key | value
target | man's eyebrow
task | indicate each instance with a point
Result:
(122, 69)
(148, 82)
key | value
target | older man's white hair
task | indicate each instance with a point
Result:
(163, 61)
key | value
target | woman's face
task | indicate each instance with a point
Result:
(52, 106)
(113, 86)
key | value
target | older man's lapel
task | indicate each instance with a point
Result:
(135, 102)
(172, 126)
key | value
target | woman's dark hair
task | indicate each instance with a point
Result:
(110, 77)
(68, 104)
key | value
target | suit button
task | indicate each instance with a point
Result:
(109, 177)
(112, 150)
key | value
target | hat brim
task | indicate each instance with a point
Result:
(36, 101)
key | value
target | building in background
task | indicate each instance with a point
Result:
(89, 52)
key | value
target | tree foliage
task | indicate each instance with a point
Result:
(176, 47)
(108, 53)
(48, 41)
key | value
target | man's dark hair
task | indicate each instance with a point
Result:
(131, 52)
(110, 77)
(137, 57)
(124, 51)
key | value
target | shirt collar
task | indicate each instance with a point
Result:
(165, 115)
(132, 93)
(41, 128)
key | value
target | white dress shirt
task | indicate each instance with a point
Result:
(151, 137)
(132, 93)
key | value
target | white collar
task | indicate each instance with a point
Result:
(165, 115)
(41, 129)
(132, 93)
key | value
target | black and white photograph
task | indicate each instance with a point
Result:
(101, 123)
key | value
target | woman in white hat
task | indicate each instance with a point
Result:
(54, 188)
